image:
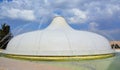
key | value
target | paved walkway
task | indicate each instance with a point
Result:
(12, 64)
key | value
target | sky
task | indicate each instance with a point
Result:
(99, 16)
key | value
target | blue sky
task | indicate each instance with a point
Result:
(100, 16)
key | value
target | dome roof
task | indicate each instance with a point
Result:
(58, 39)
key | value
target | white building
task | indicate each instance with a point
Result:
(58, 39)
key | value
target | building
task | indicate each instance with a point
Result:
(58, 41)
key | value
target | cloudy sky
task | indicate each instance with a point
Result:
(100, 16)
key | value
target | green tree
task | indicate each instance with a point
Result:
(5, 35)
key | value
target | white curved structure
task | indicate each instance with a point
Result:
(58, 39)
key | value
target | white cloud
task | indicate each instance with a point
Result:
(93, 26)
(20, 14)
(98, 10)
(78, 16)
(111, 9)
(82, 11)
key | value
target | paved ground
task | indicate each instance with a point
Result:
(112, 63)
(12, 64)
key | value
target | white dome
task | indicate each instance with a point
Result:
(58, 39)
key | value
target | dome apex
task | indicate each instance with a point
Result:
(58, 23)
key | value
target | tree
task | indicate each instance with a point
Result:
(112, 45)
(5, 35)
(115, 46)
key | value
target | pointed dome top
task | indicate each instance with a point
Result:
(58, 23)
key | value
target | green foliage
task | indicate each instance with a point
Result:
(5, 35)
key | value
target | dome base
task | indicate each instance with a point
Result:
(60, 58)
